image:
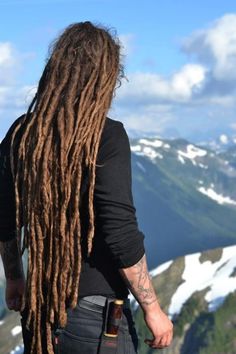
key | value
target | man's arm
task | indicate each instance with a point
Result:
(139, 282)
(11, 259)
(13, 267)
(116, 221)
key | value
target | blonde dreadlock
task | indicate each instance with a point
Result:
(61, 135)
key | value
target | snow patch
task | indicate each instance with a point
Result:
(200, 181)
(141, 166)
(198, 276)
(181, 159)
(160, 156)
(146, 151)
(1, 323)
(167, 146)
(192, 152)
(135, 148)
(19, 349)
(16, 330)
(160, 269)
(219, 198)
(224, 139)
(215, 296)
(155, 143)
(203, 166)
(150, 152)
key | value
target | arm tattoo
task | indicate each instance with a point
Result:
(11, 259)
(140, 284)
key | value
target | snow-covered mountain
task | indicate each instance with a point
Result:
(203, 271)
(198, 291)
(193, 156)
(185, 196)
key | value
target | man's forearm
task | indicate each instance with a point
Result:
(11, 259)
(139, 282)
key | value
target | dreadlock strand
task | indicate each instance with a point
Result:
(38, 343)
(77, 236)
(49, 338)
(40, 251)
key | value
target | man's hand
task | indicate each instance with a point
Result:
(14, 293)
(15, 280)
(160, 326)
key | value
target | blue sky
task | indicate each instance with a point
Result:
(180, 60)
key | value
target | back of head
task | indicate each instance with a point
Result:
(60, 140)
(84, 57)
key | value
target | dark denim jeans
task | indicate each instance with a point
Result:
(83, 331)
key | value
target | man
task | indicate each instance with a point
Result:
(66, 179)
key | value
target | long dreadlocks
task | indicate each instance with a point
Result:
(61, 135)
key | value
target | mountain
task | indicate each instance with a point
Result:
(198, 291)
(185, 197)
(221, 143)
(218, 139)
(230, 156)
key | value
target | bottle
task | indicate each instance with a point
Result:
(114, 318)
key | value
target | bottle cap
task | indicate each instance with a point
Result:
(118, 302)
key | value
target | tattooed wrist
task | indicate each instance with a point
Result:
(11, 258)
(139, 282)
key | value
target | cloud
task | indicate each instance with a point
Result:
(150, 118)
(211, 76)
(207, 83)
(200, 93)
(233, 126)
(127, 44)
(6, 54)
(188, 80)
(14, 96)
(215, 46)
(153, 88)
(148, 101)
(9, 63)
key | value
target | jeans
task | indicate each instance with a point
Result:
(83, 331)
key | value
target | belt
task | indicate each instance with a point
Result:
(97, 303)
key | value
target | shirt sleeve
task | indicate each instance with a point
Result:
(113, 200)
(7, 195)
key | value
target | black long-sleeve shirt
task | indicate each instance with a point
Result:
(118, 243)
